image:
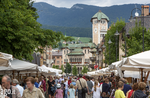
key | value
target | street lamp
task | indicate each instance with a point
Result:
(136, 14)
(98, 52)
(116, 34)
(109, 42)
(103, 47)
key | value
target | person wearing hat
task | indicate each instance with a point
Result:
(59, 92)
(66, 87)
(15, 82)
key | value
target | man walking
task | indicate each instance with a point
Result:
(16, 84)
(6, 80)
(90, 86)
(81, 83)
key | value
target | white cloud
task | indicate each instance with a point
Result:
(70, 3)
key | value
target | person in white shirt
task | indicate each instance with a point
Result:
(61, 79)
(96, 90)
(40, 81)
(66, 87)
(15, 82)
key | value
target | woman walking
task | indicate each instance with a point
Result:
(50, 86)
(96, 90)
(71, 92)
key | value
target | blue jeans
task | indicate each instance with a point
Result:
(66, 95)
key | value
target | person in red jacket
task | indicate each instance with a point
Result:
(69, 81)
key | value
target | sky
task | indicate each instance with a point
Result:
(101, 3)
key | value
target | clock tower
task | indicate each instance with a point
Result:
(99, 27)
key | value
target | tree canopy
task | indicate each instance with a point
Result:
(68, 68)
(74, 70)
(135, 41)
(85, 69)
(110, 35)
(20, 33)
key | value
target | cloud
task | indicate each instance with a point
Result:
(70, 3)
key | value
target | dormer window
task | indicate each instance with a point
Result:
(103, 21)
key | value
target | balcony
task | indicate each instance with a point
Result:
(93, 58)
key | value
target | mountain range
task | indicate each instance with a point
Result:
(79, 15)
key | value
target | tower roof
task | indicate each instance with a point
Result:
(100, 15)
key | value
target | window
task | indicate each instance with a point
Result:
(57, 62)
(64, 51)
(65, 60)
(88, 51)
(86, 60)
(95, 22)
(67, 51)
(102, 35)
(85, 51)
(58, 57)
(103, 21)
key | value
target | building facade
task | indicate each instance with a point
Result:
(77, 54)
(57, 58)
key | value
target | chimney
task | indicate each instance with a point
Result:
(145, 10)
(58, 51)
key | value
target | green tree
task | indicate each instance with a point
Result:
(62, 68)
(110, 35)
(135, 41)
(68, 68)
(54, 66)
(57, 66)
(74, 70)
(20, 33)
(85, 69)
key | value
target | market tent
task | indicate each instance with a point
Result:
(5, 59)
(133, 74)
(18, 65)
(140, 59)
(52, 69)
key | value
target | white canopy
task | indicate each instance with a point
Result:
(52, 69)
(133, 63)
(5, 59)
(133, 74)
(19, 65)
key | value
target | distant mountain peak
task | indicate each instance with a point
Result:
(76, 6)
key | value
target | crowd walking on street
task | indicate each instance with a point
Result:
(109, 86)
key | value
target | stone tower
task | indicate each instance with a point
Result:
(99, 26)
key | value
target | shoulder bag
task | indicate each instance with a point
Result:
(84, 90)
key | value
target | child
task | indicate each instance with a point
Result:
(59, 92)
(71, 92)
(96, 90)
(119, 93)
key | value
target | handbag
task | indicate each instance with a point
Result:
(84, 90)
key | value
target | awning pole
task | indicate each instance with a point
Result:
(13, 74)
(146, 77)
(141, 74)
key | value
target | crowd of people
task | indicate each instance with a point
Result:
(72, 87)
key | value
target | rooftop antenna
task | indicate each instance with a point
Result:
(136, 13)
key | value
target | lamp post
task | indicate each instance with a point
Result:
(109, 42)
(98, 52)
(116, 34)
(103, 47)
(136, 14)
